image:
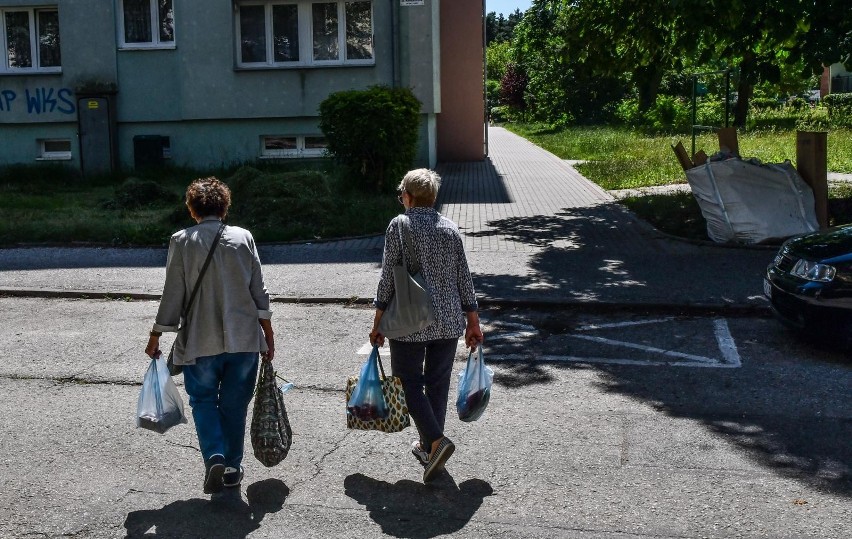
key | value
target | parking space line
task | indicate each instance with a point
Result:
(726, 343)
(644, 348)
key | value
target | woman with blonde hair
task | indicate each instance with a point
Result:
(424, 360)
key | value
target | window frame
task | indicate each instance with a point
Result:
(35, 45)
(45, 155)
(155, 43)
(299, 152)
(305, 28)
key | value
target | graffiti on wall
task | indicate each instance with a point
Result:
(38, 101)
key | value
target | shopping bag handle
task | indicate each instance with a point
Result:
(379, 360)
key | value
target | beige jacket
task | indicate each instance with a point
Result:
(231, 298)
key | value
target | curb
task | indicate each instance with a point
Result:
(693, 309)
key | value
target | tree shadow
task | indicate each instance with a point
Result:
(603, 253)
(225, 516)
(417, 511)
(793, 419)
(795, 424)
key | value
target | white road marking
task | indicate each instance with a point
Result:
(547, 358)
(367, 348)
(625, 344)
(623, 324)
(730, 356)
(726, 343)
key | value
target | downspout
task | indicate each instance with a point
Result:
(485, 78)
(394, 5)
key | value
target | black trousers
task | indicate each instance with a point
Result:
(425, 369)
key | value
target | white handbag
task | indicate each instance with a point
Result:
(410, 309)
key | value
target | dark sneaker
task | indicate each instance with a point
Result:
(214, 470)
(417, 451)
(436, 463)
(232, 477)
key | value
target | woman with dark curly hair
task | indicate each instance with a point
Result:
(226, 328)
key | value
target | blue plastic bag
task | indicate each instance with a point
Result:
(367, 402)
(160, 406)
(474, 387)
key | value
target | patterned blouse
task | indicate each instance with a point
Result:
(439, 249)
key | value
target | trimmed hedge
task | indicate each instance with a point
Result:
(373, 133)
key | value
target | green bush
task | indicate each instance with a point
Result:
(136, 193)
(295, 202)
(373, 133)
(492, 94)
(764, 103)
(839, 109)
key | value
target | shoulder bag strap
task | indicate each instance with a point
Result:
(203, 270)
(408, 246)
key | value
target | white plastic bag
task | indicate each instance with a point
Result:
(160, 406)
(474, 387)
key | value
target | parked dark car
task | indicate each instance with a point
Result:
(809, 284)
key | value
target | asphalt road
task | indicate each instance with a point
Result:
(613, 425)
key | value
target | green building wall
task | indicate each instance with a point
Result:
(212, 111)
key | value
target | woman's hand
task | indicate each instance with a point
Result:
(473, 333)
(269, 337)
(153, 348)
(376, 338)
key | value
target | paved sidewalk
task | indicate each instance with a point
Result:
(535, 231)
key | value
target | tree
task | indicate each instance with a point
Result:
(564, 42)
(500, 29)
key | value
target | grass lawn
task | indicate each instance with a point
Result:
(621, 158)
(54, 205)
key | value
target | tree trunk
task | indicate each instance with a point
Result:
(744, 92)
(745, 89)
(648, 79)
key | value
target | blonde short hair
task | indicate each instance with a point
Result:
(422, 184)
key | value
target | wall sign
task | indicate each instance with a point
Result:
(411, 2)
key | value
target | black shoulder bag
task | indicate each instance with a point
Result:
(175, 370)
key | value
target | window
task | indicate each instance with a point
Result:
(302, 33)
(54, 149)
(147, 24)
(30, 39)
(292, 146)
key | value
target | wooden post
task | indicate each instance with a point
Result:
(682, 157)
(728, 140)
(812, 164)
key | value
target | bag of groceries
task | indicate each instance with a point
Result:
(474, 387)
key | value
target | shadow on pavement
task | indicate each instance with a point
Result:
(795, 424)
(601, 253)
(226, 516)
(792, 418)
(471, 183)
(417, 511)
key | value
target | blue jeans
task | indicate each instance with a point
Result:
(220, 388)
(424, 369)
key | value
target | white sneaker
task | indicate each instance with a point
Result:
(417, 451)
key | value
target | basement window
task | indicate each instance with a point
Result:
(54, 149)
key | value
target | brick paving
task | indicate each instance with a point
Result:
(516, 185)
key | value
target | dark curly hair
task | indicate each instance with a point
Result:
(208, 197)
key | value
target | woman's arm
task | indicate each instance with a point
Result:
(171, 303)
(266, 326)
(385, 291)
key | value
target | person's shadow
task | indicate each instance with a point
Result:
(413, 510)
(226, 516)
